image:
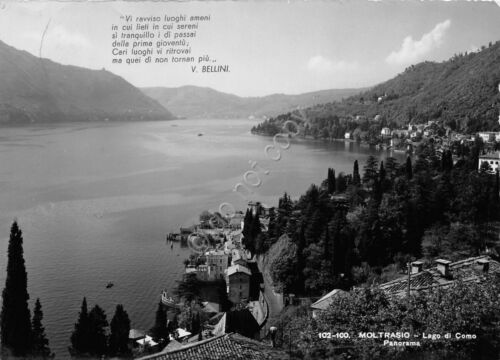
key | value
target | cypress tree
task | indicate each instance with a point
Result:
(381, 172)
(174, 324)
(497, 187)
(120, 328)
(383, 183)
(160, 328)
(331, 181)
(15, 317)
(391, 167)
(97, 331)
(409, 168)
(247, 221)
(356, 179)
(256, 227)
(271, 229)
(40, 342)
(341, 183)
(80, 336)
(370, 174)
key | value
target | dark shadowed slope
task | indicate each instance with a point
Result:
(40, 90)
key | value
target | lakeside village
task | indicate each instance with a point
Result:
(376, 131)
(227, 277)
(443, 138)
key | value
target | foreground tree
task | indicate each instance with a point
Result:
(97, 331)
(41, 348)
(356, 179)
(120, 327)
(160, 330)
(80, 335)
(15, 317)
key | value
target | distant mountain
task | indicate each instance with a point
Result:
(202, 102)
(40, 90)
(462, 93)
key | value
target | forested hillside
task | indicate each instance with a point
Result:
(461, 93)
(358, 228)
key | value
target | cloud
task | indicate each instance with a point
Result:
(414, 50)
(321, 64)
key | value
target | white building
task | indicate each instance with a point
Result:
(385, 131)
(488, 136)
(492, 159)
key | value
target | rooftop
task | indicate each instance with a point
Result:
(325, 301)
(495, 155)
(236, 269)
(227, 346)
(237, 321)
(471, 269)
(135, 334)
(148, 340)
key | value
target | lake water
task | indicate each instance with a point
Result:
(95, 202)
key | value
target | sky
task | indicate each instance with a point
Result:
(277, 46)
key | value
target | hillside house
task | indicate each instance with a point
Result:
(385, 131)
(217, 262)
(493, 160)
(238, 283)
(400, 133)
(488, 136)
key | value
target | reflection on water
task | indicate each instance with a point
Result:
(95, 202)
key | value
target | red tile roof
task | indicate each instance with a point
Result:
(223, 347)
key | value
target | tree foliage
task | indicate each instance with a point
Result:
(433, 208)
(120, 328)
(15, 317)
(160, 330)
(40, 342)
(80, 336)
(466, 308)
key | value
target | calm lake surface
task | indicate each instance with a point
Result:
(96, 201)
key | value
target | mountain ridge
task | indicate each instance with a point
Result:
(205, 102)
(38, 90)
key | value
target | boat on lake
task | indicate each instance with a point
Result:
(109, 285)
